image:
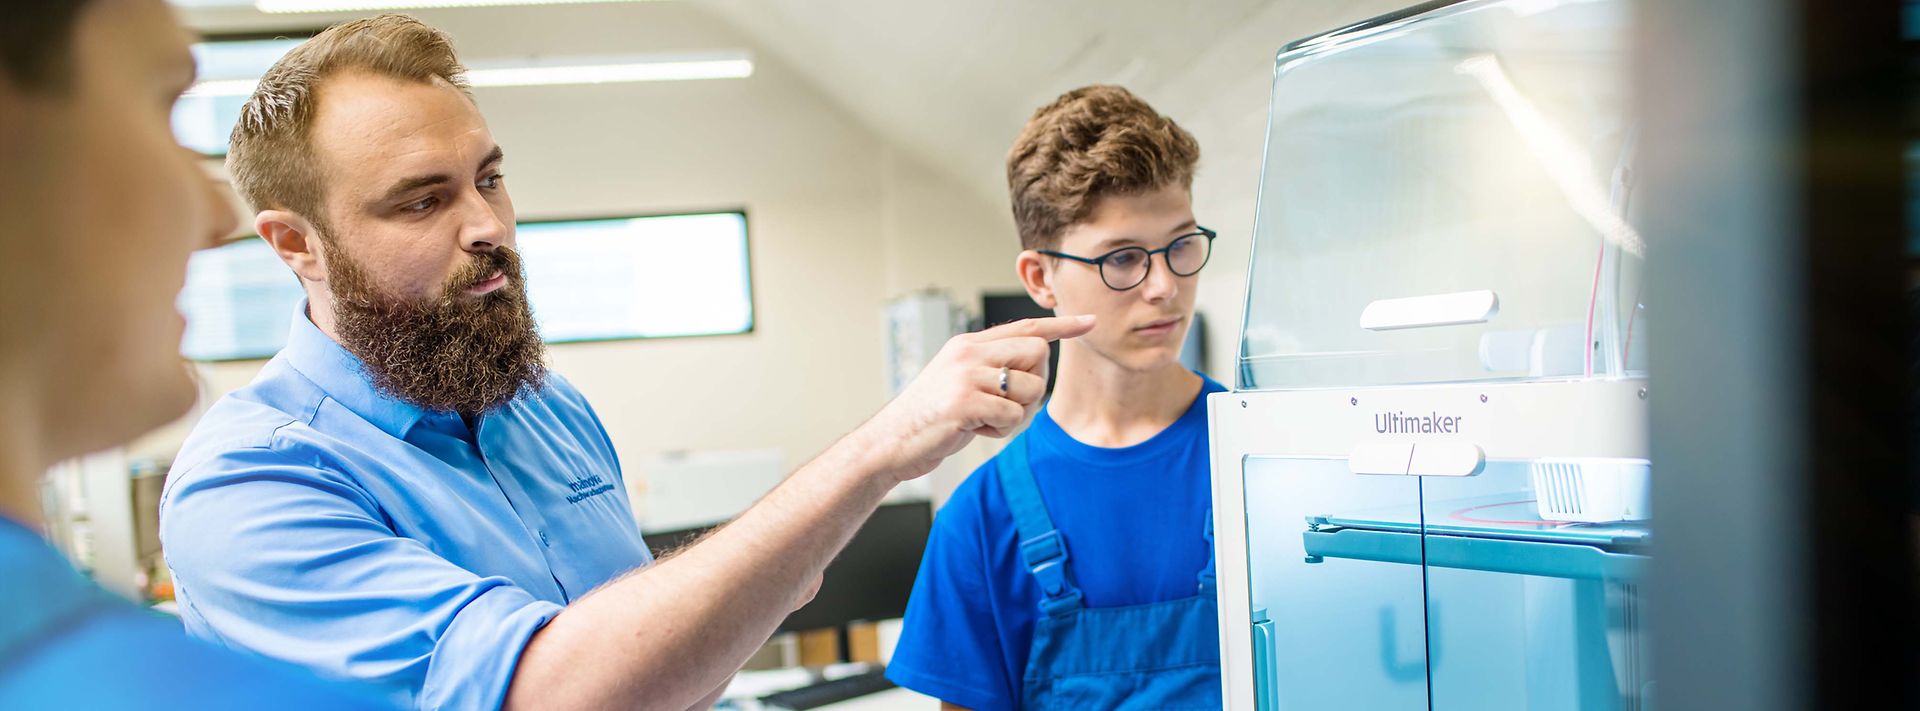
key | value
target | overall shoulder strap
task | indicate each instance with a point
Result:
(1041, 546)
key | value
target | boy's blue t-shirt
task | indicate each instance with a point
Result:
(1134, 519)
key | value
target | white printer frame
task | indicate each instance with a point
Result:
(1588, 419)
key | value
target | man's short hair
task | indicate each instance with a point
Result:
(1093, 142)
(271, 155)
(36, 43)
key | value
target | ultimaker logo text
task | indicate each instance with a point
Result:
(1401, 423)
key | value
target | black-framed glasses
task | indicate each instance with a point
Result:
(1127, 267)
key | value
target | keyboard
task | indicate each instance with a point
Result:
(828, 692)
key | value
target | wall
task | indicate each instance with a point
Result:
(842, 216)
(954, 83)
(838, 222)
(1221, 97)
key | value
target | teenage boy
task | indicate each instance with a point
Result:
(1075, 569)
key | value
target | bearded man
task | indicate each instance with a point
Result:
(406, 496)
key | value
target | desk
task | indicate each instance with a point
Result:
(895, 699)
(747, 686)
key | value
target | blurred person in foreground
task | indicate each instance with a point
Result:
(99, 209)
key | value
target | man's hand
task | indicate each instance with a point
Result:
(669, 635)
(958, 395)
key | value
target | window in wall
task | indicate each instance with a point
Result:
(639, 277)
(238, 301)
(203, 118)
(588, 280)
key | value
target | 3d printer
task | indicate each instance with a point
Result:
(1430, 479)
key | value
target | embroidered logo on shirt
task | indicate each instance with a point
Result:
(587, 488)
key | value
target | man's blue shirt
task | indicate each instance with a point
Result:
(1134, 519)
(66, 644)
(312, 518)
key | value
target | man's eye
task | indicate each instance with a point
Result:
(492, 181)
(1123, 259)
(421, 205)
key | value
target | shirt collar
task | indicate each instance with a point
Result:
(343, 377)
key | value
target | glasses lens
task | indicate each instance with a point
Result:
(1188, 254)
(1124, 269)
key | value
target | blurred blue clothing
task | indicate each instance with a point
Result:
(67, 644)
(312, 518)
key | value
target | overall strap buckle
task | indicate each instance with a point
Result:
(1207, 577)
(1046, 557)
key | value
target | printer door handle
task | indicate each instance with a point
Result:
(1493, 555)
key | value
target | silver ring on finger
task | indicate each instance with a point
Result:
(1003, 380)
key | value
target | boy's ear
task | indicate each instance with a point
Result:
(1036, 277)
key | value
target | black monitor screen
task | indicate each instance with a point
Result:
(996, 309)
(870, 579)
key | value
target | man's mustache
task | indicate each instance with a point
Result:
(482, 267)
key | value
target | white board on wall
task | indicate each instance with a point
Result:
(670, 491)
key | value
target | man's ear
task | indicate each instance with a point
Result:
(296, 241)
(1032, 268)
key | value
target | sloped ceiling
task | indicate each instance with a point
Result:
(950, 83)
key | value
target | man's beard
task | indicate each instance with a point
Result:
(452, 353)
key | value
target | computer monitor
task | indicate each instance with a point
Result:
(870, 579)
(999, 308)
(664, 543)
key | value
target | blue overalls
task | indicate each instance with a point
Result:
(1163, 655)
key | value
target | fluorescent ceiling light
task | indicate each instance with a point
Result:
(607, 73)
(731, 65)
(290, 6)
(224, 87)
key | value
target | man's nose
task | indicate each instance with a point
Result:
(484, 231)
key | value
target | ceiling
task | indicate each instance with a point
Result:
(951, 83)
